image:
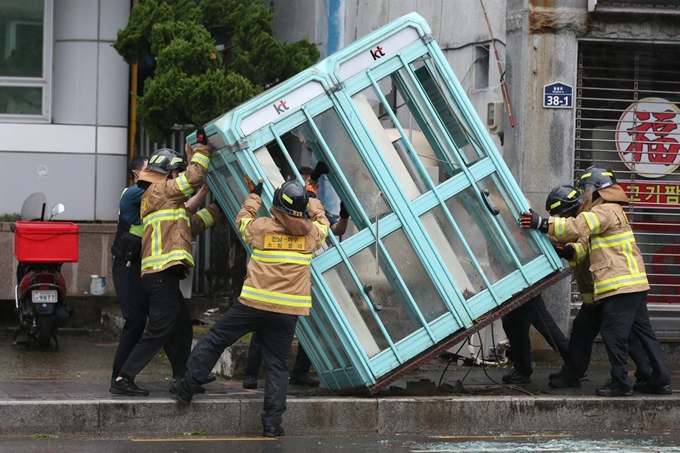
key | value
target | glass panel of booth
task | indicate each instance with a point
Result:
(322, 335)
(361, 318)
(522, 242)
(230, 173)
(335, 356)
(398, 313)
(485, 242)
(413, 150)
(420, 286)
(333, 139)
(431, 82)
(386, 137)
(440, 137)
(454, 251)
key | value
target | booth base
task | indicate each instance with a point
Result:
(459, 336)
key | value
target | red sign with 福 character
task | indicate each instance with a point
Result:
(653, 194)
(648, 137)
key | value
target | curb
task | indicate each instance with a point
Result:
(305, 416)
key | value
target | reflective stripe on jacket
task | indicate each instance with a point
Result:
(279, 280)
(168, 227)
(616, 263)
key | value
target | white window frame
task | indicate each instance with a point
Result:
(44, 82)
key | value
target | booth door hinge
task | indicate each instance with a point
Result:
(428, 38)
(337, 87)
(238, 146)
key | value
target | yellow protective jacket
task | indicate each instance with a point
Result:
(580, 266)
(616, 263)
(168, 227)
(278, 276)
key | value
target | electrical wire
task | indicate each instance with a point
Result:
(552, 343)
(484, 364)
(455, 355)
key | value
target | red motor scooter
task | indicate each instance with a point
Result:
(41, 247)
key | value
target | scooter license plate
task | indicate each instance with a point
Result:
(44, 296)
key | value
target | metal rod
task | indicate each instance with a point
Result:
(377, 236)
(500, 67)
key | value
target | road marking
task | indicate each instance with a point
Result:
(209, 439)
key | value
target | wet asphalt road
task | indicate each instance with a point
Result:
(662, 443)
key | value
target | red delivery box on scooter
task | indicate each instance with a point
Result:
(46, 242)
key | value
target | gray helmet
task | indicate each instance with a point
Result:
(598, 177)
(165, 160)
(563, 201)
(291, 198)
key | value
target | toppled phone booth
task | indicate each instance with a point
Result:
(433, 251)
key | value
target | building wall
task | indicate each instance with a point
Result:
(309, 19)
(83, 149)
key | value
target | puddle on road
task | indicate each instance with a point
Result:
(566, 445)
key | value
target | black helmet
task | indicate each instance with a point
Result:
(291, 198)
(165, 160)
(598, 177)
(563, 201)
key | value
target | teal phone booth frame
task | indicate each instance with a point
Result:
(435, 244)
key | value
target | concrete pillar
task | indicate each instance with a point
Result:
(542, 49)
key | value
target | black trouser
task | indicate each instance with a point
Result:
(300, 367)
(169, 325)
(584, 330)
(621, 315)
(133, 305)
(275, 330)
(516, 325)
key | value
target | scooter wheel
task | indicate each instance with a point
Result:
(45, 323)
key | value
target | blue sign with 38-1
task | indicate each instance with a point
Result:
(557, 96)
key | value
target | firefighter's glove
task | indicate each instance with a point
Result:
(565, 251)
(201, 136)
(343, 211)
(533, 220)
(257, 190)
(320, 169)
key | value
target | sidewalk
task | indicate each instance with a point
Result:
(69, 395)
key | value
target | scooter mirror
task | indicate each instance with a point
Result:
(58, 209)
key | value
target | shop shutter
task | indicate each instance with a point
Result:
(628, 119)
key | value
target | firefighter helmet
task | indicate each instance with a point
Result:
(291, 198)
(598, 177)
(563, 201)
(166, 160)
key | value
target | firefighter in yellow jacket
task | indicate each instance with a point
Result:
(619, 277)
(167, 257)
(277, 290)
(566, 201)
